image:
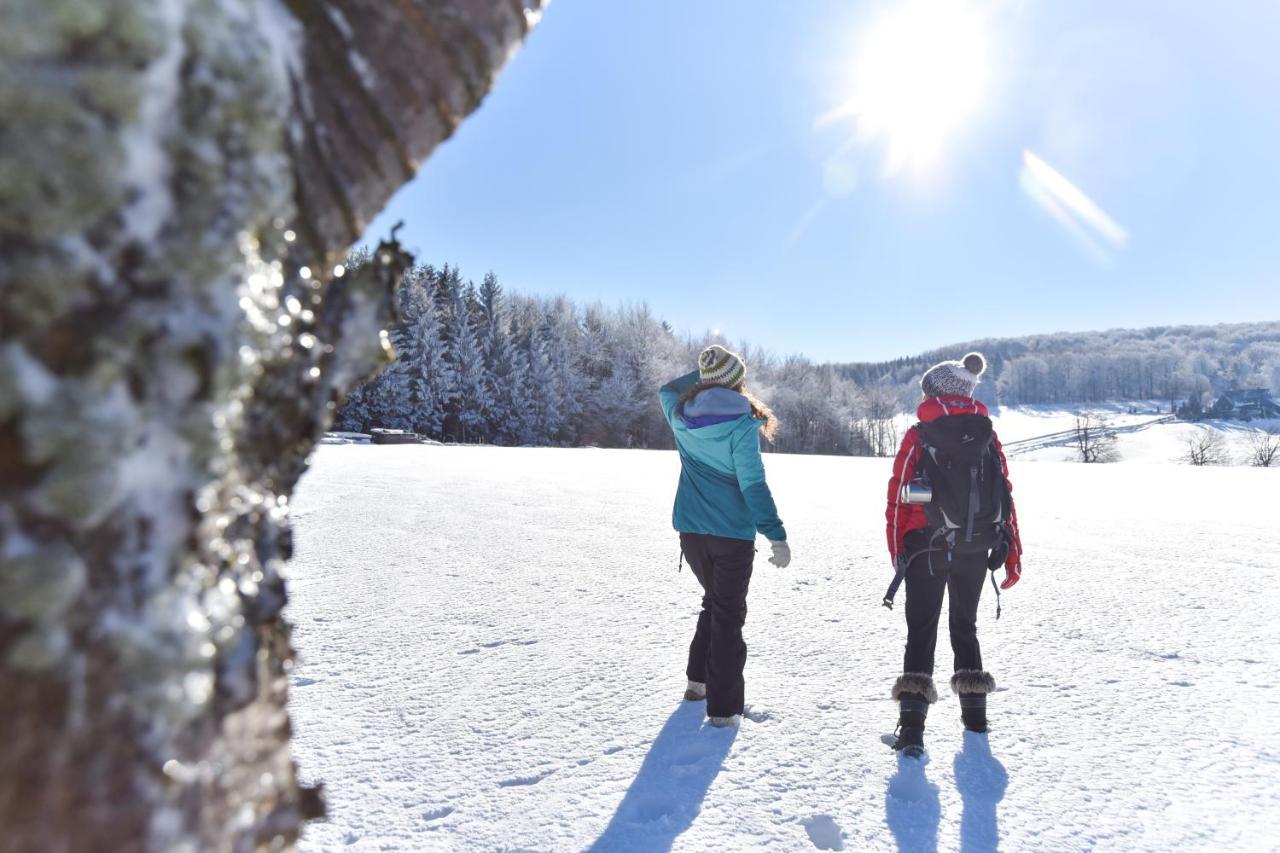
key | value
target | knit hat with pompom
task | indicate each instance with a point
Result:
(718, 366)
(954, 378)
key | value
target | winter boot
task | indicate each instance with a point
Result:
(725, 722)
(695, 692)
(973, 685)
(914, 692)
(973, 711)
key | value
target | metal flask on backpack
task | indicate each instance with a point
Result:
(917, 491)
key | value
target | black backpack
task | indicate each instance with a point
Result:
(971, 501)
(970, 507)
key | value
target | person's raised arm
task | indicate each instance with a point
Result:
(669, 394)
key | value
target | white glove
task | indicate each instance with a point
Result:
(781, 554)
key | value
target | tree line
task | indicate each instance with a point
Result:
(1169, 363)
(476, 364)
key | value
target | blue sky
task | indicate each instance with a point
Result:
(684, 154)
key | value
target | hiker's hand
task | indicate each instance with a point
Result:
(1012, 575)
(781, 554)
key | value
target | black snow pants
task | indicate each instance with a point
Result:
(928, 577)
(718, 654)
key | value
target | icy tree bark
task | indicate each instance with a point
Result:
(178, 179)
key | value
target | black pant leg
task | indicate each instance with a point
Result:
(924, 604)
(695, 554)
(964, 591)
(731, 561)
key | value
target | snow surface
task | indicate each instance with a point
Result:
(492, 648)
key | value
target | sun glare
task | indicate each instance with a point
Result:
(920, 71)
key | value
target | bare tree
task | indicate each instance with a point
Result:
(1264, 446)
(874, 429)
(1205, 447)
(180, 181)
(1095, 440)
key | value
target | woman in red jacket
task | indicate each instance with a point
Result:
(950, 519)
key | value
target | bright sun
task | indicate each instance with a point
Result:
(920, 71)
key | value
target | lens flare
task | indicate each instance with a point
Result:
(1091, 226)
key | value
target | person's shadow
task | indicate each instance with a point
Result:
(981, 780)
(911, 807)
(667, 793)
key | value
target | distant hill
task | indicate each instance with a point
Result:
(1161, 362)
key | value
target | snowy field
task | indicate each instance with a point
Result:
(492, 648)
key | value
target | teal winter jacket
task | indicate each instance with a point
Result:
(722, 488)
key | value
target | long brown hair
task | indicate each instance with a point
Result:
(759, 411)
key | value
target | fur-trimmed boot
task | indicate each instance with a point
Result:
(973, 685)
(914, 693)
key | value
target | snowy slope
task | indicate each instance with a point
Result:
(1158, 444)
(492, 647)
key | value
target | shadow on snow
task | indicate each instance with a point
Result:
(911, 803)
(911, 807)
(981, 780)
(667, 793)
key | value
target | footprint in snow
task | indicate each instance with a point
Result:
(436, 814)
(303, 682)
(519, 781)
(824, 832)
(497, 644)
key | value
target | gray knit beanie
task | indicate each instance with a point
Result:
(954, 378)
(718, 366)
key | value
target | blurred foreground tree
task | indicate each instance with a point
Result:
(178, 181)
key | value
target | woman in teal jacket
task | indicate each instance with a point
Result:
(721, 503)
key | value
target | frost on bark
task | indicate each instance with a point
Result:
(177, 180)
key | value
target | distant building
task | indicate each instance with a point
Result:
(1238, 405)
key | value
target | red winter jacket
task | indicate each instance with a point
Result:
(902, 518)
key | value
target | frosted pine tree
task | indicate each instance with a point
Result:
(543, 395)
(500, 378)
(521, 422)
(561, 346)
(429, 378)
(464, 419)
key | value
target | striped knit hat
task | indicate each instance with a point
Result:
(954, 378)
(718, 366)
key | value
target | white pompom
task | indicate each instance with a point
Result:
(975, 363)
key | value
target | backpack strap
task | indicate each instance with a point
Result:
(924, 448)
(901, 573)
(996, 587)
(898, 577)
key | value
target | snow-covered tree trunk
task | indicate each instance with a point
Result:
(178, 180)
